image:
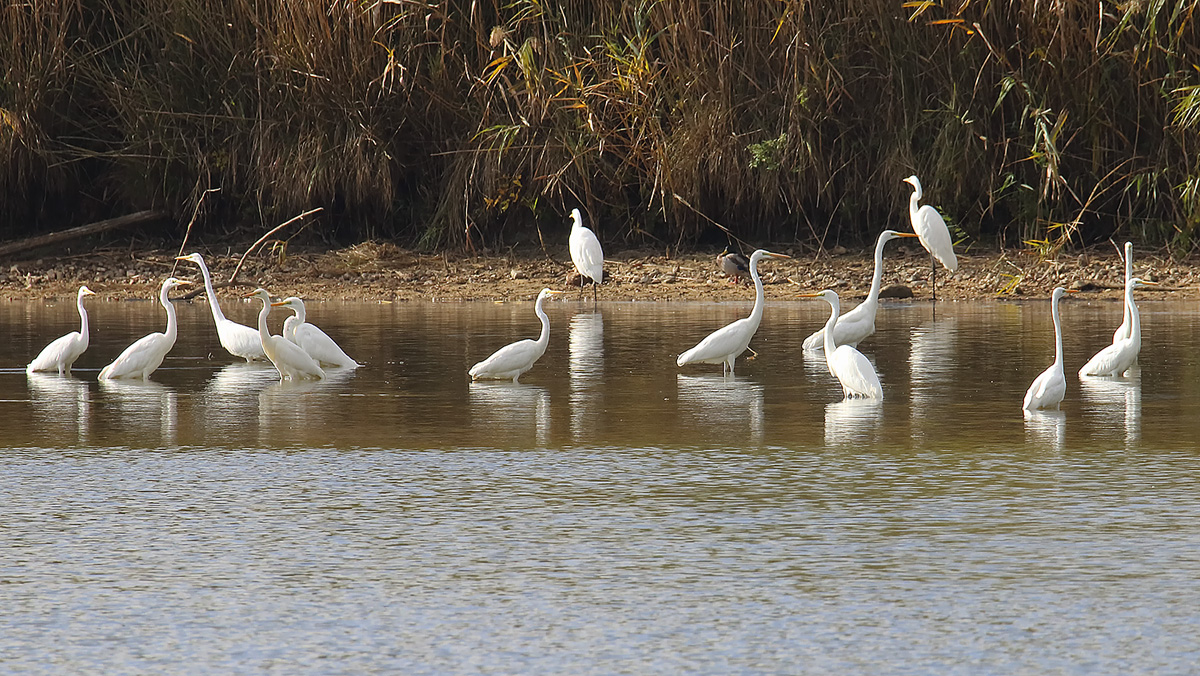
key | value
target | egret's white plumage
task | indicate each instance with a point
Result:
(238, 339)
(1116, 359)
(1048, 389)
(725, 344)
(586, 253)
(1124, 329)
(292, 362)
(144, 356)
(62, 352)
(514, 359)
(851, 368)
(859, 323)
(932, 231)
(312, 339)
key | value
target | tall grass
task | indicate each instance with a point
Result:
(448, 123)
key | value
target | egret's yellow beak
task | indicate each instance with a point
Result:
(906, 234)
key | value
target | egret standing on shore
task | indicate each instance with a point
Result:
(851, 368)
(725, 344)
(586, 252)
(514, 359)
(932, 231)
(292, 362)
(1048, 389)
(144, 356)
(62, 352)
(238, 339)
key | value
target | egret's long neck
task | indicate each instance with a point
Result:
(1128, 276)
(543, 338)
(300, 314)
(914, 201)
(1058, 350)
(263, 333)
(83, 321)
(756, 313)
(172, 325)
(1135, 318)
(212, 294)
(835, 308)
(877, 280)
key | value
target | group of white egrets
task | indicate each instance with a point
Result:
(304, 350)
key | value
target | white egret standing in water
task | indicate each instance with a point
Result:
(848, 365)
(725, 344)
(312, 339)
(292, 362)
(858, 324)
(62, 352)
(237, 339)
(932, 231)
(1048, 389)
(1116, 359)
(1124, 329)
(514, 359)
(586, 253)
(144, 356)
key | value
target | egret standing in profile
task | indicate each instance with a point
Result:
(62, 352)
(725, 344)
(586, 252)
(311, 338)
(932, 231)
(1048, 389)
(1124, 329)
(238, 339)
(859, 323)
(144, 356)
(292, 362)
(1116, 359)
(514, 359)
(848, 365)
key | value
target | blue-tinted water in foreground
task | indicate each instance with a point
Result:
(612, 513)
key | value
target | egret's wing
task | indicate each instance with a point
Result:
(718, 345)
(292, 357)
(587, 254)
(146, 354)
(855, 372)
(511, 357)
(1112, 360)
(935, 236)
(62, 350)
(240, 340)
(320, 346)
(815, 340)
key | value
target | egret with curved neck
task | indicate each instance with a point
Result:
(237, 339)
(62, 353)
(725, 344)
(1117, 358)
(851, 368)
(141, 359)
(311, 338)
(292, 362)
(932, 231)
(1123, 330)
(858, 324)
(1049, 388)
(514, 359)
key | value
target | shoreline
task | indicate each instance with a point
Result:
(386, 273)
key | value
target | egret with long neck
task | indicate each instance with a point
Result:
(1049, 388)
(62, 353)
(237, 339)
(514, 359)
(932, 231)
(141, 359)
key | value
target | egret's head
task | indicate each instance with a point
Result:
(291, 302)
(546, 293)
(172, 283)
(763, 253)
(1060, 291)
(259, 293)
(889, 235)
(576, 217)
(193, 257)
(1139, 282)
(84, 291)
(828, 295)
(913, 181)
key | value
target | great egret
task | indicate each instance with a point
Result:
(238, 339)
(859, 323)
(516, 358)
(1124, 329)
(845, 363)
(1048, 388)
(1116, 359)
(292, 362)
(62, 352)
(312, 339)
(725, 344)
(932, 231)
(586, 252)
(734, 265)
(144, 356)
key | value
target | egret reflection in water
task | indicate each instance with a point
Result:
(1046, 428)
(142, 405)
(233, 392)
(722, 405)
(932, 362)
(512, 409)
(301, 411)
(585, 365)
(1114, 403)
(852, 421)
(62, 405)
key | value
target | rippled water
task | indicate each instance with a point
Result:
(610, 514)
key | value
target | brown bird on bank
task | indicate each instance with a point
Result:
(734, 265)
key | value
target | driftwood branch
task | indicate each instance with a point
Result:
(272, 231)
(81, 231)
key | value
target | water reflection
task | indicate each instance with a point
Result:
(852, 421)
(932, 362)
(1046, 429)
(231, 396)
(142, 405)
(511, 411)
(62, 406)
(586, 368)
(1115, 404)
(302, 412)
(729, 408)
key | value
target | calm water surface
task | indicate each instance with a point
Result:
(610, 514)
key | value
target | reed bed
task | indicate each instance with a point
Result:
(449, 123)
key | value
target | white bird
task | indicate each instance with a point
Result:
(586, 253)
(312, 339)
(845, 363)
(514, 359)
(238, 339)
(1048, 389)
(62, 352)
(725, 344)
(1124, 329)
(292, 362)
(147, 353)
(932, 231)
(859, 323)
(1116, 359)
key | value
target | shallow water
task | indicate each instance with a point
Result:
(612, 513)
